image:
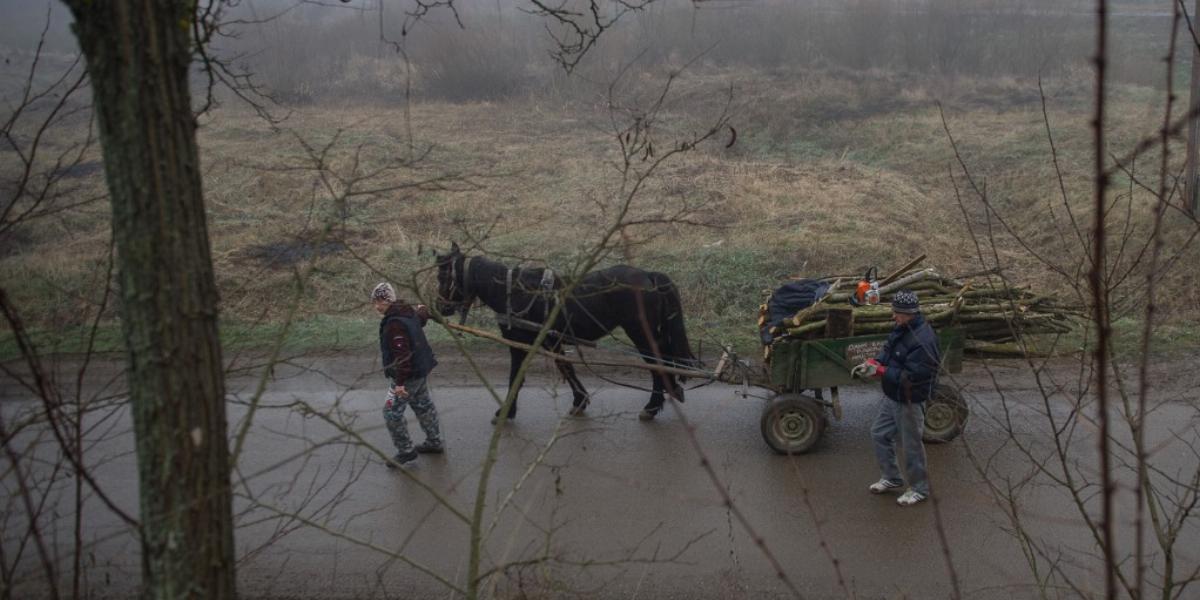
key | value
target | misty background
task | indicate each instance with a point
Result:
(313, 51)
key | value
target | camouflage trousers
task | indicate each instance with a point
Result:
(422, 405)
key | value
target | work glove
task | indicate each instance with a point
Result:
(877, 369)
(862, 371)
(870, 368)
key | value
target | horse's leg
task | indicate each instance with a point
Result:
(654, 406)
(658, 381)
(579, 402)
(516, 357)
(665, 384)
(674, 387)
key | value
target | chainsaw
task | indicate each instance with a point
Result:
(867, 291)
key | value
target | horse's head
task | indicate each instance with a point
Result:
(453, 295)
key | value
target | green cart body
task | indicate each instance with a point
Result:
(801, 370)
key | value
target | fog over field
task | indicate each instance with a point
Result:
(490, 50)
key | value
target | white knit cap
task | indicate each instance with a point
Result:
(383, 291)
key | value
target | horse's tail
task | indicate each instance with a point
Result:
(671, 331)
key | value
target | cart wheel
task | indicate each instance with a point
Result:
(792, 423)
(945, 415)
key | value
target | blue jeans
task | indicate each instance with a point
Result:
(422, 404)
(901, 425)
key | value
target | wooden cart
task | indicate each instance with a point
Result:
(800, 371)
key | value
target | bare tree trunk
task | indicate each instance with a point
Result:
(138, 54)
(1100, 294)
(1191, 199)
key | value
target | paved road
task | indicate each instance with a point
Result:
(615, 508)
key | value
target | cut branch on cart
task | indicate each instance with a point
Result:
(994, 317)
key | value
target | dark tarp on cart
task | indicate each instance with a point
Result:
(788, 299)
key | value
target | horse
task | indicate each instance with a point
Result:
(645, 304)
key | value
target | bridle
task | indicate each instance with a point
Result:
(463, 304)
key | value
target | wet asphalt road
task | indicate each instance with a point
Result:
(614, 507)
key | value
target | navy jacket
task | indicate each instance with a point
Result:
(405, 351)
(912, 358)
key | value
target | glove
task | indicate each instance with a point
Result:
(878, 369)
(871, 368)
(863, 371)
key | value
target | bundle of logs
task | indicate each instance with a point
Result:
(995, 319)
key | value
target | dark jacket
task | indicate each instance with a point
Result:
(912, 358)
(402, 344)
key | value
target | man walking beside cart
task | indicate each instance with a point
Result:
(908, 365)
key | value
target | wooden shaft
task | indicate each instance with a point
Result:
(664, 369)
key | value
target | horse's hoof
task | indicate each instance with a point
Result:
(646, 415)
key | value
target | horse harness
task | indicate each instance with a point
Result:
(546, 287)
(510, 318)
(517, 320)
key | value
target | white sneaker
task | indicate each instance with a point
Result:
(910, 498)
(883, 485)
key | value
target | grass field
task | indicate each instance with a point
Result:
(832, 172)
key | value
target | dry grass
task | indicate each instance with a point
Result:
(832, 173)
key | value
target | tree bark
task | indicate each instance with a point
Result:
(138, 55)
(1191, 195)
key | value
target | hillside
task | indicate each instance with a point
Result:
(831, 172)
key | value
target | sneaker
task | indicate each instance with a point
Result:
(427, 447)
(910, 498)
(883, 485)
(401, 459)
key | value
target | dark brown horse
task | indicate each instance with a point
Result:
(644, 304)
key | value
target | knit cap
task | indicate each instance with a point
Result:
(905, 302)
(383, 291)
